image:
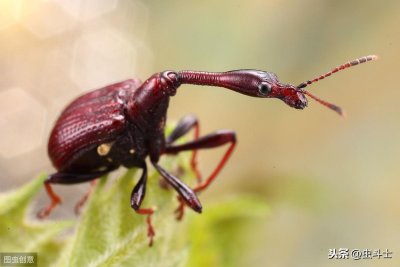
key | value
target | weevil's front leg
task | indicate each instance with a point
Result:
(213, 140)
(183, 127)
(64, 178)
(187, 195)
(137, 196)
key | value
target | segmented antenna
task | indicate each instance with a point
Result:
(335, 108)
(341, 67)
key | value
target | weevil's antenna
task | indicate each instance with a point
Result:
(335, 108)
(349, 64)
(341, 67)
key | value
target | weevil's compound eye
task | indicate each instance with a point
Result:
(264, 88)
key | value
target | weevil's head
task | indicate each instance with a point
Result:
(291, 95)
(264, 84)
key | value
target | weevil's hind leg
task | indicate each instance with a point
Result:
(137, 196)
(183, 127)
(63, 178)
(213, 140)
(83, 200)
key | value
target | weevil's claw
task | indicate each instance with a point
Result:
(43, 213)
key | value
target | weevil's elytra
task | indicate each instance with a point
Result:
(123, 124)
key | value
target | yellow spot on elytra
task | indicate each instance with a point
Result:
(104, 149)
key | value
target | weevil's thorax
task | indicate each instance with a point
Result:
(148, 104)
(147, 108)
(155, 91)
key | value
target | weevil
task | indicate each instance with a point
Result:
(123, 124)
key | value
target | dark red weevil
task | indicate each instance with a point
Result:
(123, 123)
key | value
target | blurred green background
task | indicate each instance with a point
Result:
(330, 182)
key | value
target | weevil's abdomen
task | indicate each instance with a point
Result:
(91, 120)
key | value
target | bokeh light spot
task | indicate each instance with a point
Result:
(102, 57)
(86, 10)
(8, 12)
(22, 121)
(44, 19)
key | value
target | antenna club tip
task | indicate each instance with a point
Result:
(338, 110)
(342, 113)
(374, 57)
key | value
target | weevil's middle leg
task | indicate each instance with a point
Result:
(150, 229)
(213, 140)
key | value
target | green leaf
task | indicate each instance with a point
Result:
(222, 236)
(18, 233)
(110, 233)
